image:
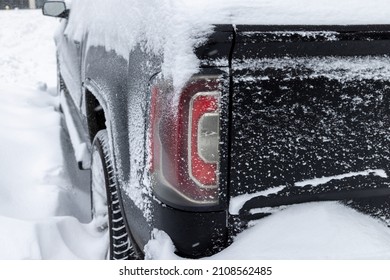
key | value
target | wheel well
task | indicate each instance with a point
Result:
(95, 115)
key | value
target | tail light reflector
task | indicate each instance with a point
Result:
(204, 139)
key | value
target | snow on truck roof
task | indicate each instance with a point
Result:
(174, 27)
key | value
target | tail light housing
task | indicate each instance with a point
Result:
(184, 143)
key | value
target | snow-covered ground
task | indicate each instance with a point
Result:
(44, 200)
(41, 207)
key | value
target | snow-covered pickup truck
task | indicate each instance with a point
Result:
(196, 118)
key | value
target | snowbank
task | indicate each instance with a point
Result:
(35, 188)
(52, 238)
(326, 230)
(25, 57)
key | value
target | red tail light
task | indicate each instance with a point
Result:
(184, 134)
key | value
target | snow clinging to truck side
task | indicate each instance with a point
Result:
(174, 27)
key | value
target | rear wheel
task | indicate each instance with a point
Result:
(106, 207)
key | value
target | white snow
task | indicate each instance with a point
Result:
(37, 215)
(172, 28)
(160, 247)
(341, 69)
(36, 193)
(237, 202)
(21, 62)
(324, 180)
(326, 230)
(50, 238)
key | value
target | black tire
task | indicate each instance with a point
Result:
(106, 208)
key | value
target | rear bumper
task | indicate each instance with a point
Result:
(194, 234)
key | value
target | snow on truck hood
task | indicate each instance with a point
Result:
(172, 28)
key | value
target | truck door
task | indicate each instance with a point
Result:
(69, 57)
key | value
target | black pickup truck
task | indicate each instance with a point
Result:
(283, 114)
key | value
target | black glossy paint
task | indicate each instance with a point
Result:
(289, 125)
